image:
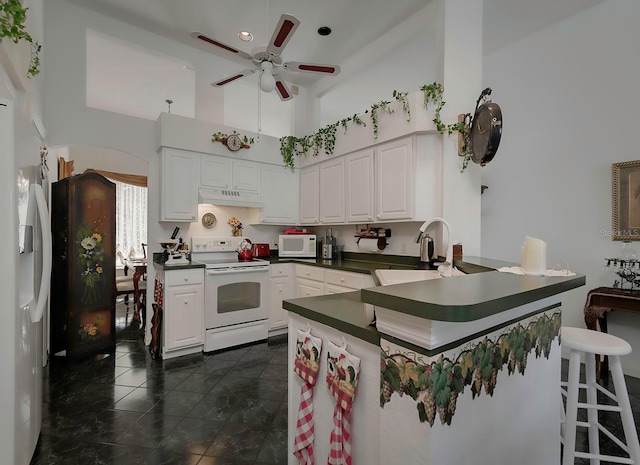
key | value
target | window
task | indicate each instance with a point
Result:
(131, 219)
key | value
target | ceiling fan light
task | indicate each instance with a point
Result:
(267, 81)
(245, 36)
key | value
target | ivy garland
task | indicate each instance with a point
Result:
(12, 26)
(325, 138)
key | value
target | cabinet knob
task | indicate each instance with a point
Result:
(307, 273)
(186, 302)
(186, 279)
(341, 280)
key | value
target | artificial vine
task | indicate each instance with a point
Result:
(325, 138)
(382, 105)
(12, 26)
(433, 93)
(402, 96)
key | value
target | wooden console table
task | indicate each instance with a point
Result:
(601, 301)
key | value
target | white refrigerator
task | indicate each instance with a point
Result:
(24, 282)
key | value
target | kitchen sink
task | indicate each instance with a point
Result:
(388, 277)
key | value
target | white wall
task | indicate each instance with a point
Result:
(569, 98)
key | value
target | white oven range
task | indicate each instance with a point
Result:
(236, 293)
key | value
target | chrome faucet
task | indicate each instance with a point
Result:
(445, 269)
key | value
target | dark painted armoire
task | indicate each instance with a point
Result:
(83, 291)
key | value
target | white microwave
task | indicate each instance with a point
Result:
(297, 245)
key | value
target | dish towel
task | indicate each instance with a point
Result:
(343, 369)
(306, 365)
(519, 270)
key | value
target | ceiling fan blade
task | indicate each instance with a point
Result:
(282, 88)
(228, 48)
(232, 78)
(284, 30)
(331, 70)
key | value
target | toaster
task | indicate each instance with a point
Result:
(261, 250)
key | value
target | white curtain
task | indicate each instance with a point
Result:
(131, 219)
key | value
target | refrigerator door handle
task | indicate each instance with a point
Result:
(45, 227)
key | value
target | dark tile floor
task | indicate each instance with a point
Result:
(218, 409)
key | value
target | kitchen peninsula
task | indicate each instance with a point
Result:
(463, 369)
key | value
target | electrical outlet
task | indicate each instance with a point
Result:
(403, 247)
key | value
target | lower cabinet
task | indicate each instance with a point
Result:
(183, 312)
(281, 289)
(314, 281)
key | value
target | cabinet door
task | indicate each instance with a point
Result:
(309, 195)
(245, 176)
(394, 175)
(279, 189)
(359, 186)
(183, 316)
(216, 171)
(280, 290)
(332, 191)
(180, 179)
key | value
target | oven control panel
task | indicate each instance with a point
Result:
(215, 243)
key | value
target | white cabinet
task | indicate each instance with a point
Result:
(359, 186)
(179, 174)
(227, 173)
(216, 172)
(309, 281)
(332, 191)
(309, 195)
(394, 180)
(245, 176)
(314, 281)
(183, 312)
(281, 289)
(279, 195)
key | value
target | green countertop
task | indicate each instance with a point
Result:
(480, 293)
(345, 312)
(469, 297)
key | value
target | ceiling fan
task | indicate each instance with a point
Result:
(267, 58)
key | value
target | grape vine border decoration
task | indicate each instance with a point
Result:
(435, 387)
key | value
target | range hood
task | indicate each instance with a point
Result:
(229, 197)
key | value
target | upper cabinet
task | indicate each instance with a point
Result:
(359, 186)
(216, 172)
(393, 181)
(332, 191)
(279, 189)
(226, 173)
(180, 177)
(310, 195)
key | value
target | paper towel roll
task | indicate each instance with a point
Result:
(369, 245)
(534, 256)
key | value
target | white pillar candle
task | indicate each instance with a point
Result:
(534, 256)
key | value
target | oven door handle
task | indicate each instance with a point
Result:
(245, 269)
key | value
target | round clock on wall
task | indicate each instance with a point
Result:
(234, 143)
(486, 129)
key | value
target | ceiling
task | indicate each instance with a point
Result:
(354, 23)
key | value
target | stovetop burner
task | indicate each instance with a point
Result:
(220, 252)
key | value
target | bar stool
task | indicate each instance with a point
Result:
(590, 342)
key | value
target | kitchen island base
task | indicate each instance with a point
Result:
(494, 399)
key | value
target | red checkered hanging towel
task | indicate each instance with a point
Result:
(343, 369)
(306, 366)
